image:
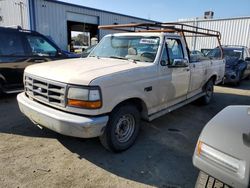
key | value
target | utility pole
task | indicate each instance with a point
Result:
(21, 5)
(195, 36)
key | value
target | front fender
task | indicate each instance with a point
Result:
(116, 95)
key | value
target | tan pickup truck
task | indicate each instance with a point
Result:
(127, 77)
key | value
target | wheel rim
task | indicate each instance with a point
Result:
(125, 128)
(209, 91)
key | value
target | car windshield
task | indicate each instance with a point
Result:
(137, 48)
(228, 52)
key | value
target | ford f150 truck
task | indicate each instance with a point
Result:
(129, 76)
(223, 150)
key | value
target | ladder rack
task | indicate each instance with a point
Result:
(162, 27)
(183, 29)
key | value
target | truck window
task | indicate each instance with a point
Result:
(138, 48)
(40, 47)
(11, 45)
(175, 50)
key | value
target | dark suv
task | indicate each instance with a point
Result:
(20, 48)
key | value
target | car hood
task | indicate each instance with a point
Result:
(229, 132)
(80, 71)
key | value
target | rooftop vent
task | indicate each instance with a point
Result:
(208, 15)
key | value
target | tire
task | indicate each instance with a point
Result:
(1, 89)
(122, 129)
(237, 83)
(206, 181)
(209, 92)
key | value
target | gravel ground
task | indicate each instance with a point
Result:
(161, 157)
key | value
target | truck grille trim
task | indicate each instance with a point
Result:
(47, 91)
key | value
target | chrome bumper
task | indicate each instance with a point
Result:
(61, 122)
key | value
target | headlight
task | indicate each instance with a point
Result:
(221, 159)
(88, 97)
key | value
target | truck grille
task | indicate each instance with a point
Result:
(44, 90)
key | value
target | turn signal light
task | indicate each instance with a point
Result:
(84, 104)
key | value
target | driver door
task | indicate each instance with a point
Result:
(174, 78)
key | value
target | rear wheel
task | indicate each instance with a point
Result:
(122, 129)
(209, 92)
(1, 89)
(239, 77)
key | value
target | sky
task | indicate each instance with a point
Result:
(171, 10)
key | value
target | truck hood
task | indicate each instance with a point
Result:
(229, 132)
(80, 71)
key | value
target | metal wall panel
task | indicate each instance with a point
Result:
(234, 31)
(10, 12)
(82, 18)
(51, 19)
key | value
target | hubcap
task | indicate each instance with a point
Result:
(209, 92)
(125, 128)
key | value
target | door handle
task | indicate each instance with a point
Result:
(186, 69)
(39, 60)
(147, 89)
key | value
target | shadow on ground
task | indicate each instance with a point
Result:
(162, 155)
(14, 122)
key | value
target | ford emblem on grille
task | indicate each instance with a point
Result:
(39, 89)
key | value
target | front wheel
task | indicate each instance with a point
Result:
(122, 129)
(209, 92)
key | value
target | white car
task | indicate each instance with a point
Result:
(222, 153)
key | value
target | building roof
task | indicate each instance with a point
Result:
(209, 20)
(94, 9)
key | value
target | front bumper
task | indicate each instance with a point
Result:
(220, 174)
(61, 122)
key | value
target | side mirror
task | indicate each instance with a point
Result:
(179, 63)
(247, 59)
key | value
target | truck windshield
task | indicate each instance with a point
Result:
(137, 48)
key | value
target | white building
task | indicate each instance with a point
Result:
(57, 19)
(234, 31)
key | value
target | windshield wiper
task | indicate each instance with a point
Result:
(118, 57)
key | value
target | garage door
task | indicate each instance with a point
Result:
(83, 18)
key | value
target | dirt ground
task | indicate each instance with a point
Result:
(161, 157)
